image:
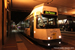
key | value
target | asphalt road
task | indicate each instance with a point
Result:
(68, 43)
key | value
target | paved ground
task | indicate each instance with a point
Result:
(17, 41)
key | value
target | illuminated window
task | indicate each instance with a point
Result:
(27, 23)
(60, 22)
(47, 22)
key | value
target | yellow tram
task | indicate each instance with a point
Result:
(41, 25)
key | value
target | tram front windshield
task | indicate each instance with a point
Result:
(46, 21)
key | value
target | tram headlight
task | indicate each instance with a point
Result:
(48, 38)
(59, 42)
(48, 44)
(59, 36)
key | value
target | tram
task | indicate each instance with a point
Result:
(41, 25)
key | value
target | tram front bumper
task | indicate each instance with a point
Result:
(55, 42)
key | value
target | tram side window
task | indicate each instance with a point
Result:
(27, 22)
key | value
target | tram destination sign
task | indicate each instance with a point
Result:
(50, 12)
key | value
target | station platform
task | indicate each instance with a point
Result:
(17, 41)
(14, 42)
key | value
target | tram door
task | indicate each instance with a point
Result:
(31, 27)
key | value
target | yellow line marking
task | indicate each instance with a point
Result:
(27, 39)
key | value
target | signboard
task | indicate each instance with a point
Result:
(50, 12)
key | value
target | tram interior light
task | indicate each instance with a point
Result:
(60, 21)
(50, 19)
(65, 20)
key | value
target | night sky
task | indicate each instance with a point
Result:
(18, 16)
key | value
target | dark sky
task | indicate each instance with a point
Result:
(18, 16)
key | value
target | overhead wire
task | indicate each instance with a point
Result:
(48, 2)
(43, 1)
